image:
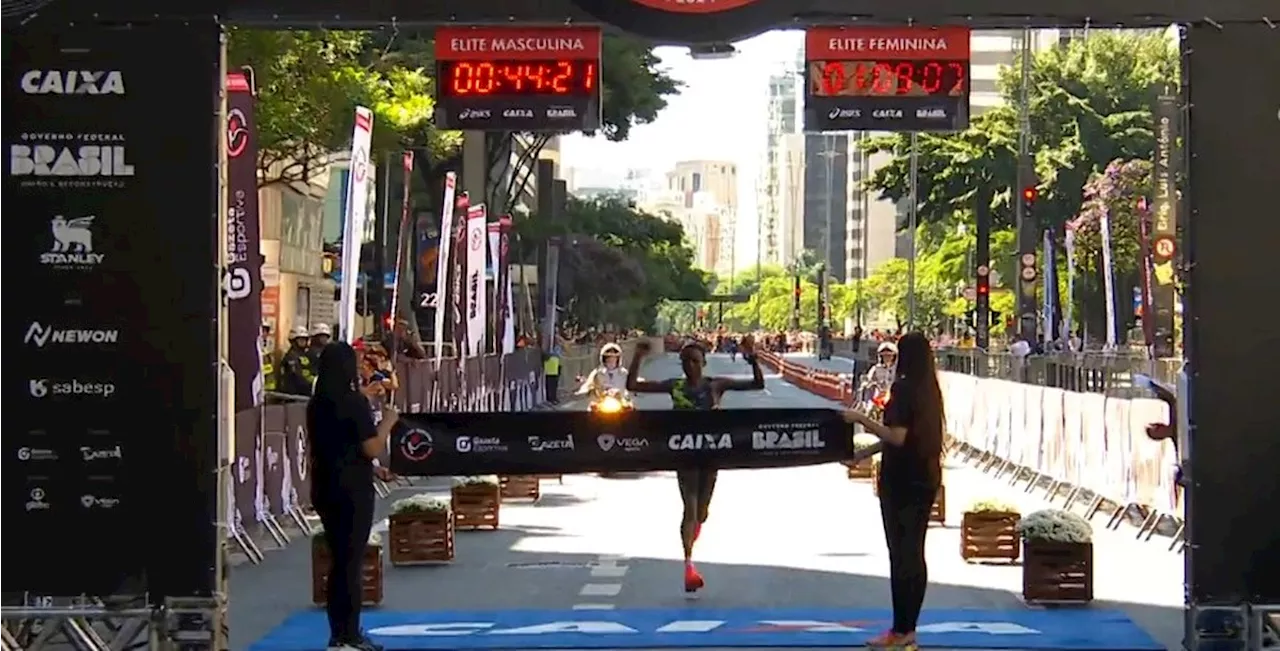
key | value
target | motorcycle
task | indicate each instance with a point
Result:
(611, 401)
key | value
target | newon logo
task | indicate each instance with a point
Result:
(40, 336)
(72, 245)
(44, 388)
(72, 82)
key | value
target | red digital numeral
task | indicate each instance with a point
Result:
(588, 76)
(931, 77)
(463, 79)
(904, 72)
(958, 88)
(884, 82)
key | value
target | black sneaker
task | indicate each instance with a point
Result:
(366, 644)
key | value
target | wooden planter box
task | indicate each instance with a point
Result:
(475, 506)
(865, 469)
(1054, 572)
(321, 562)
(938, 514)
(521, 487)
(990, 536)
(421, 537)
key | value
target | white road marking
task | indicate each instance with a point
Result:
(608, 571)
(601, 590)
(594, 606)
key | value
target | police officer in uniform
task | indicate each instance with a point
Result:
(321, 335)
(270, 381)
(297, 369)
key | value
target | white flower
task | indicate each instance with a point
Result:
(992, 506)
(1055, 525)
(475, 480)
(421, 503)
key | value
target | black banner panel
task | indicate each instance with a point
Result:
(518, 78)
(1233, 345)
(636, 441)
(886, 79)
(110, 442)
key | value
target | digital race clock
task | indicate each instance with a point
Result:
(518, 78)
(886, 79)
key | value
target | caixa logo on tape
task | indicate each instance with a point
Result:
(72, 82)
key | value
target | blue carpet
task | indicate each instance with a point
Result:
(1070, 630)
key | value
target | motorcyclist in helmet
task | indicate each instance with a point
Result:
(610, 375)
(880, 377)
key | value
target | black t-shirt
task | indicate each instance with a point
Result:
(336, 428)
(912, 468)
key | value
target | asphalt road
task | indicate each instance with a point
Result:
(777, 537)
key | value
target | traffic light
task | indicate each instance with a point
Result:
(1029, 196)
(984, 286)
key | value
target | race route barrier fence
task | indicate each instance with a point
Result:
(637, 441)
(270, 487)
(1079, 443)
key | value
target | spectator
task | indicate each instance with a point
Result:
(344, 442)
(297, 372)
(551, 371)
(404, 340)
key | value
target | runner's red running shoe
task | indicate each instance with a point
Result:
(891, 640)
(692, 579)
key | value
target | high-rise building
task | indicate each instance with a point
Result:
(710, 189)
(776, 218)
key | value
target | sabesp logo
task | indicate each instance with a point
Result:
(804, 439)
(416, 444)
(41, 388)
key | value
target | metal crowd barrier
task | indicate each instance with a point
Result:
(1086, 372)
(1084, 447)
(270, 491)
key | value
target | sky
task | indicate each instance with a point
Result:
(720, 114)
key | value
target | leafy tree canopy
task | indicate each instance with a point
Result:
(309, 83)
(617, 263)
(1117, 194)
(1090, 103)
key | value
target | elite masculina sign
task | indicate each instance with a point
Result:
(577, 442)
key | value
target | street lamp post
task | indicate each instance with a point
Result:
(912, 202)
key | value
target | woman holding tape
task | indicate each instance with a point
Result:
(910, 474)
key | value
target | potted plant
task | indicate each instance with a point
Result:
(520, 487)
(866, 468)
(475, 501)
(1057, 557)
(322, 562)
(421, 530)
(989, 532)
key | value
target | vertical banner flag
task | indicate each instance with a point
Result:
(244, 251)
(495, 295)
(1047, 317)
(457, 295)
(476, 218)
(1164, 225)
(404, 240)
(1108, 276)
(1144, 277)
(506, 321)
(353, 224)
(549, 294)
(442, 259)
(1068, 309)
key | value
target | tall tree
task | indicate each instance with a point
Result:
(309, 83)
(1090, 103)
(617, 263)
